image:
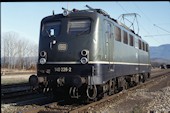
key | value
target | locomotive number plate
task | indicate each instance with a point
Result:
(62, 47)
(63, 69)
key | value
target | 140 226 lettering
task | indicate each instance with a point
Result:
(63, 69)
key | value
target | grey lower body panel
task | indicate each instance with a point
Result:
(108, 72)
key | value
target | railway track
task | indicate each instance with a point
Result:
(59, 107)
(14, 90)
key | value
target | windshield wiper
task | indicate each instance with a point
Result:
(49, 34)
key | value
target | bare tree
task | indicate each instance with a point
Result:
(33, 56)
(23, 52)
(17, 51)
(9, 48)
(26, 52)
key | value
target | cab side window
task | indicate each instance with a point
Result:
(147, 48)
(143, 46)
(140, 45)
(131, 40)
(125, 37)
(117, 33)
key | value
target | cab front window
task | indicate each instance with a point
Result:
(51, 29)
(79, 27)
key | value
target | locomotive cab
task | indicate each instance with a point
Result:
(67, 43)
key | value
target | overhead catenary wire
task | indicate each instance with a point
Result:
(122, 7)
(149, 34)
(142, 12)
(150, 20)
(137, 7)
(161, 28)
(157, 35)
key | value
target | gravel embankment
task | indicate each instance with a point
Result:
(160, 101)
(154, 98)
(16, 109)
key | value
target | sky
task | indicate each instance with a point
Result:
(24, 17)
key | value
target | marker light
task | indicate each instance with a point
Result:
(84, 52)
(42, 61)
(43, 53)
(84, 60)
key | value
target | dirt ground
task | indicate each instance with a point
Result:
(15, 70)
(14, 79)
(14, 76)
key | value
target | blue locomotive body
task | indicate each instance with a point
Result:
(87, 51)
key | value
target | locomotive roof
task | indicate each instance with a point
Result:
(104, 13)
(100, 11)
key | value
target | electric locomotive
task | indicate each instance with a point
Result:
(86, 53)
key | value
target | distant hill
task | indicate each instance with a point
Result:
(160, 53)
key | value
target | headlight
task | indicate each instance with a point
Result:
(84, 52)
(43, 53)
(84, 60)
(42, 61)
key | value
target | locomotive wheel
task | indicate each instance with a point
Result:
(145, 77)
(121, 84)
(40, 88)
(125, 85)
(141, 78)
(137, 80)
(149, 76)
(88, 101)
(111, 87)
(135, 83)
